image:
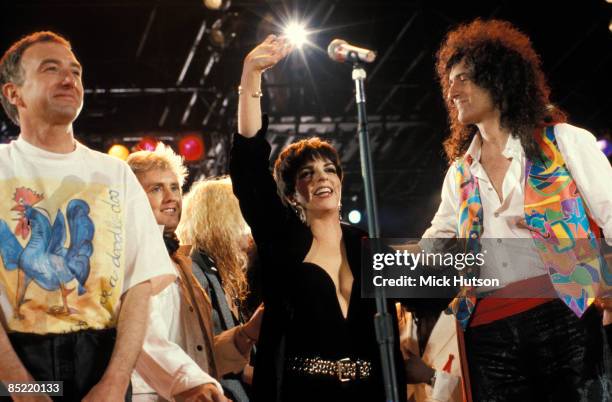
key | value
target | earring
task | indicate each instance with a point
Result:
(340, 210)
(299, 211)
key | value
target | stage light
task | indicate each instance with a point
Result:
(605, 146)
(223, 30)
(217, 4)
(119, 151)
(147, 144)
(217, 37)
(354, 216)
(191, 147)
(296, 34)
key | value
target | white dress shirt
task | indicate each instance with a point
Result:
(586, 163)
(170, 361)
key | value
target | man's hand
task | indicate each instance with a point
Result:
(11, 368)
(253, 326)
(247, 374)
(416, 370)
(247, 334)
(107, 390)
(131, 330)
(32, 398)
(202, 393)
(606, 305)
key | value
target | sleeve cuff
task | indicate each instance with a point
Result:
(257, 142)
(190, 378)
(262, 131)
(158, 283)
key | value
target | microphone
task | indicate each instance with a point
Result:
(340, 51)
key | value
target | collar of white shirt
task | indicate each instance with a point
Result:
(513, 149)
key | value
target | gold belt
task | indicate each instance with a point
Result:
(343, 369)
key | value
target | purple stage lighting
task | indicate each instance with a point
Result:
(606, 146)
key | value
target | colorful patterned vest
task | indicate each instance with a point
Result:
(557, 218)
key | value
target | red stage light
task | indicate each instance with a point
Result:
(191, 147)
(147, 144)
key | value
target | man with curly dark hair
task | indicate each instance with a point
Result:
(519, 171)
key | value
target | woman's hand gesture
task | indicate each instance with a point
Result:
(266, 54)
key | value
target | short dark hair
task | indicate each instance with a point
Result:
(503, 62)
(291, 160)
(11, 69)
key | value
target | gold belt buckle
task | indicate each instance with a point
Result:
(339, 367)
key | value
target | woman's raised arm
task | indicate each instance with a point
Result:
(263, 57)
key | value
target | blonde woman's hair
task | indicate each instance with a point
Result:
(212, 222)
(163, 158)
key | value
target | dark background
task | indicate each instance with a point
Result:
(133, 52)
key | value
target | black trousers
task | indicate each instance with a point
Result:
(79, 359)
(543, 354)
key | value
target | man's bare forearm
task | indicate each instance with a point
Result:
(11, 368)
(130, 334)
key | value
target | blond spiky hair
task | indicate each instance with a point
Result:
(162, 158)
(212, 222)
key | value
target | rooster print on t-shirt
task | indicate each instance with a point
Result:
(53, 254)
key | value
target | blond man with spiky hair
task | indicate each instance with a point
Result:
(162, 174)
(180, 354)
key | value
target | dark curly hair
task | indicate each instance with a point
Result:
(291, 160)
(504, 63)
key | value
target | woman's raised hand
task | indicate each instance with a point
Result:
(267, 54)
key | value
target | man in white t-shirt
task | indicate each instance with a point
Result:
(80, 251)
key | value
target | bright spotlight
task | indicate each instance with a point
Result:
(296, 33)
(354, 216)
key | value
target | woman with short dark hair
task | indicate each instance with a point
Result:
(317, 341)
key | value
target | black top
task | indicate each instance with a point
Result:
(302, 316)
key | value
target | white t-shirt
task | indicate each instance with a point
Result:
(512, 260)
(77, 229)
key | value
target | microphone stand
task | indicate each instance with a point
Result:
(382, 320)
